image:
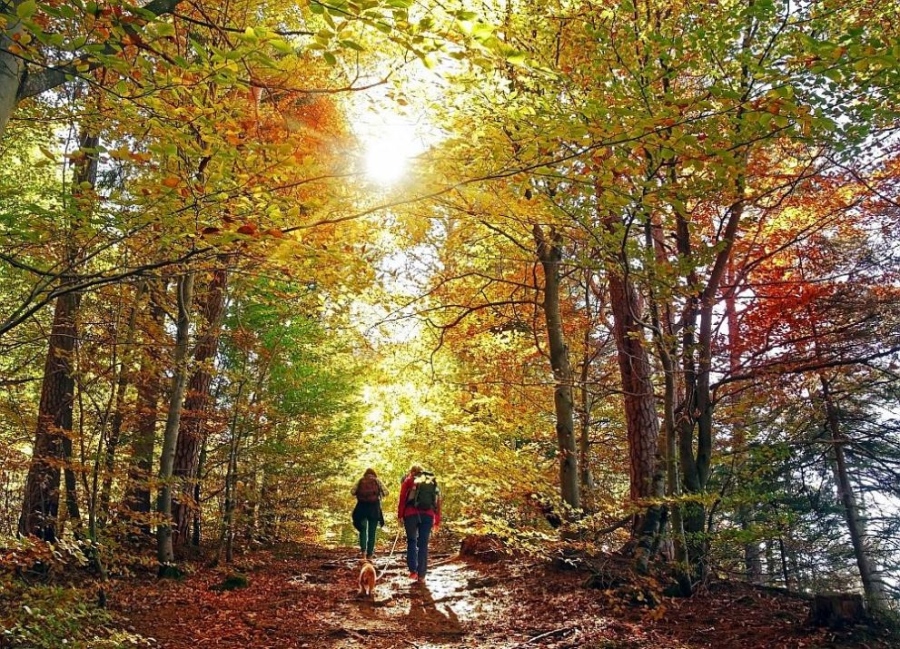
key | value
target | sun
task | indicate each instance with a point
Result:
(390, 148)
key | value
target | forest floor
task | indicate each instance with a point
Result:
(306, 596)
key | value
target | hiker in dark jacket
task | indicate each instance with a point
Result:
(419, 515)
(367, 514)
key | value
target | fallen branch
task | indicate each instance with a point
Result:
(547, 635)
(452, 557)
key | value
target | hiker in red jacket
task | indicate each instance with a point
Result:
(419, 510)
(367, 514)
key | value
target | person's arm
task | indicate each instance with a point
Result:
(355, 487)
(384, 492)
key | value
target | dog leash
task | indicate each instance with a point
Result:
(393, 547)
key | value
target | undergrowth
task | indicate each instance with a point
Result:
(40, 609)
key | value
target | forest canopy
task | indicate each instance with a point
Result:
(623, 274)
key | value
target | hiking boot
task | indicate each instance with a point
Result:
(370, 557)
(421, 579)
(414, 576)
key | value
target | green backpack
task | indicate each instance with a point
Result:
(424, 492)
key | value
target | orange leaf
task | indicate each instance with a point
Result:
(171, 181)
(247, 228)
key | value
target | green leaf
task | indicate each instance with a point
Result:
(282, 46)
(329, 58)
(164, 30)
(26, 9)
(482, 31)
(516, 58)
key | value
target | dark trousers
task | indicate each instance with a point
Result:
(418, 531)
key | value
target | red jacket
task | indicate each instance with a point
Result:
(404, 509)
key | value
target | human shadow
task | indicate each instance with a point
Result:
(427, 618)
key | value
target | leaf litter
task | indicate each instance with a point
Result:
(300, 596)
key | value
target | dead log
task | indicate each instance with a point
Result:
(838, 611)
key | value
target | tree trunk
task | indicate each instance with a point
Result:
(587, 401)
(855, 525)
(165, 549)
(550, 254)
(665, 342)
(226, 540)
(640, 401)
(637, 386)
(196, 405)
(52, 445)
(196, 518)
(12, 66)
(138, 497)
(40, 506)
(118, 415)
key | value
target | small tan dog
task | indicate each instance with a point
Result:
(366, 578)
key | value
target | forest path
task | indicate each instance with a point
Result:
(301, 597)
(309, 597)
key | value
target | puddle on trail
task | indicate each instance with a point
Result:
(448, 610)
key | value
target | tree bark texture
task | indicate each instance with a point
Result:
(165, 550)
(549, 253)
(196, 407)
(40, 506)
(12, 67)
(52, 444)
(637, 387)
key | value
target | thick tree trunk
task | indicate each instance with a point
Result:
(165, 548)
(12, 67)
(52, 445)
(549, 253)
(637, 387)
(196, 406)
(40, 506)
(695, 425)
(641, 417)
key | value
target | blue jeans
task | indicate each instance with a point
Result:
(418, 531)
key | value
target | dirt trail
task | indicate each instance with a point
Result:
(307, 598)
